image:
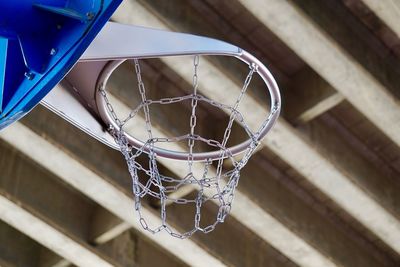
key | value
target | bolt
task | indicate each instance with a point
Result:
(29, 75)
(90, 15)
(53, 51)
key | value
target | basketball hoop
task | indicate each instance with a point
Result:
(219, 183)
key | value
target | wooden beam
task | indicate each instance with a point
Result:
(388, 11)
(308, 97)
(329, 60)
(388, 39)
(341, 149)
(62, 263)
(95, 187)
(42, 232)
(281, 193)
(354, 31)
(124, 247)
(6, 264)
(319, 108)
(50, 259)
(127, 245)
(284, 140)
(17, 249)
(106, 227)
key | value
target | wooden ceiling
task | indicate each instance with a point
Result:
(323, 189)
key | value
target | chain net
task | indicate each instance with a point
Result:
(212, 183)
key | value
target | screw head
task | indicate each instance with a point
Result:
(29, 75)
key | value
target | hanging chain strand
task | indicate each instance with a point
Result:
(215, 184)
(193, 118)
(233, 115)
(142, 91)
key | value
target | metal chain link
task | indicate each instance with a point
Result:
(193, 118)
(159, 186)
(145, 103)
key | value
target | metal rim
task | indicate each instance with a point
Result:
(267, 124)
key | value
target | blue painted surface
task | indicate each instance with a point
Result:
(40, 42)
(3, 57)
